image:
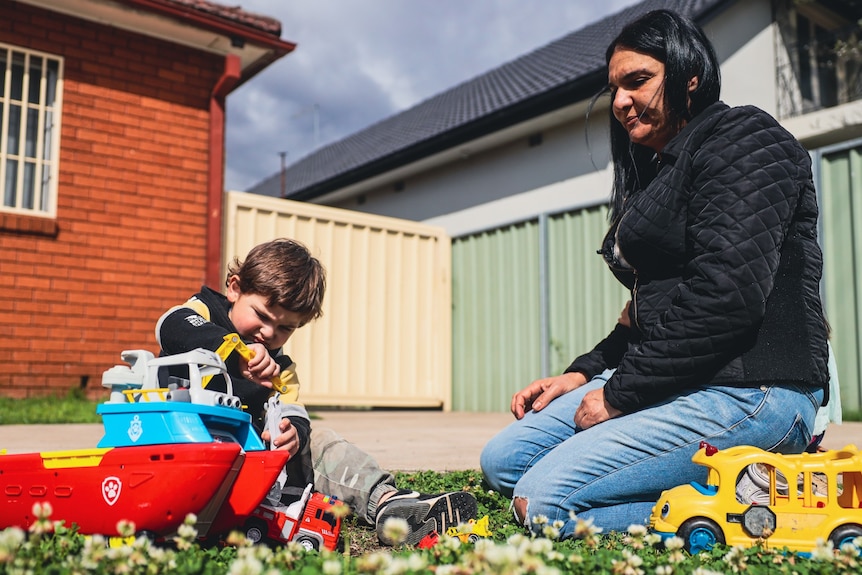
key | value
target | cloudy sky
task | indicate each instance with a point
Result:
(360, 61)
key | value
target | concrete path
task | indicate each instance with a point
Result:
(405, 440)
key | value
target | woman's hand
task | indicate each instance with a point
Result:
(543, 391)
(261, 368)
(288, 439)
(594, 409)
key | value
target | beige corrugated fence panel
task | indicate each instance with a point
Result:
(385, 337)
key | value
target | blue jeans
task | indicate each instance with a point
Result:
(614, 472)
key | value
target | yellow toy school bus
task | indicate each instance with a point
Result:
(747, 500)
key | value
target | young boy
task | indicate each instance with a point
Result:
(275, 291)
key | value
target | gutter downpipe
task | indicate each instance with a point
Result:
(215, 180)
(544, 298)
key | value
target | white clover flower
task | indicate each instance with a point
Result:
(546, 570)
(42, 510)
(517, 539)
(630, 565)
(541, 546)
(331, 567)
(652, 539)
(850, 549)
(246, 566)
(674, 543)
(736, 558)
(497, 556)
(704, 571)
(416, 562)
(555, 556)
(540, 519)
(396, 529)
(401, 565)
(186, 535)
(120, 553)
(663, 570)
(637, 530)
(450, 543)
(157, 555)
(585, 528)
(550, 532)
(125, 528)
(11, 539)
(187, 531)
(373, 562)
(633, 559)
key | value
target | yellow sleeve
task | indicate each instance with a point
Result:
(288, 386)
(199, 307)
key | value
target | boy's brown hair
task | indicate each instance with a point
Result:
(285, 273)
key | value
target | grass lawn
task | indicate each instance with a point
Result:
(508, 550)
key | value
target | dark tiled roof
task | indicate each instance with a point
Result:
(567, 70)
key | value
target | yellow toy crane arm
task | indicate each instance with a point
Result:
(232, 342)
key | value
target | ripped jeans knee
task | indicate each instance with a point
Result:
(519, 510)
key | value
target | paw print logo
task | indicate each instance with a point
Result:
(111, 487)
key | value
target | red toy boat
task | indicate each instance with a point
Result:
(166, 453)
(154, 486)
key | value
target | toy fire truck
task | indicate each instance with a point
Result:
(310, 521)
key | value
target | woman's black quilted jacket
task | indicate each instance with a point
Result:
(720, 253)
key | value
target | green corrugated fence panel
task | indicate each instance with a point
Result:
(497, 312)
(496, 294)
(495, 322)
(841, 209)
(585, 299)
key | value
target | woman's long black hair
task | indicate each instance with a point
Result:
(686, 53)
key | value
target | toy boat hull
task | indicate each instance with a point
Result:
(154, 486)
(258, 473)
(168, 422)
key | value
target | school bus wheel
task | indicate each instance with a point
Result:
(845, 534)
(700, 534)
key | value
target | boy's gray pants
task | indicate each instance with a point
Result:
(337, 467)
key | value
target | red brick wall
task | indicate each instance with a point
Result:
(129, 238)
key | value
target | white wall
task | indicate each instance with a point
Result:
(744, 40)
(509, 182)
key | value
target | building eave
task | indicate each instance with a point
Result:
(186, 23)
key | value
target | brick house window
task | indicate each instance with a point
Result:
(30, 97)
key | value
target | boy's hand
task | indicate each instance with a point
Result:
(288, 439)
(261, 368)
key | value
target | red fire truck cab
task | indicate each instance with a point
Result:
(309, 521)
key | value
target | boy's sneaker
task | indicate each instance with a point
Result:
(425, 513)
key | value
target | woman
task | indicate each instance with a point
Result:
(713, 228)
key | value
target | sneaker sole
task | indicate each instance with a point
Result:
(425, 516)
